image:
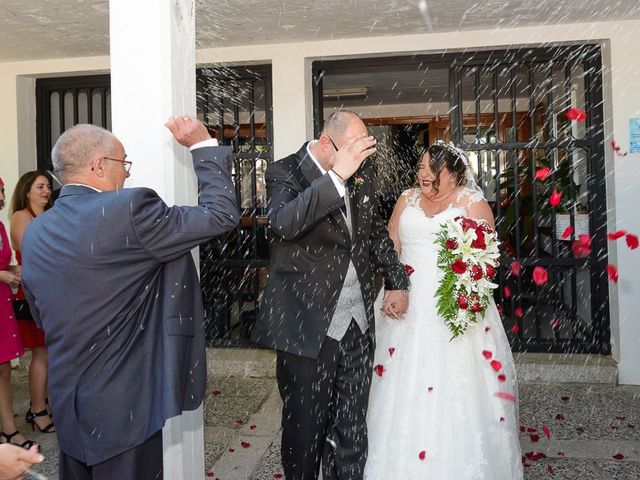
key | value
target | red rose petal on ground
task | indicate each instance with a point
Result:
(496, 365)
(239, 421)
(618, 456)
(540, 276)
(555, 198)
(507, 292)
(550, 469)
(559, 417)
(543, 173)
(409, 269)
(630, 425)
(620, 418)
(278, 475)
(515, 329)
(244, 444)
(487, 354)
(502, 419)
(502, 377)
(565, 398)
(531, 430)
(567, 232)
(215, 393)
(232, 450)
(422, 455)
(379, 369)
(209, 474)
(616, 235)
(560, 453)
(252, 427)
(535, 456)
(518, 311)
(516, 268)
(391, 350)
(546, 431)
(486, 329)
(612, 271)
(576, 114)
(430, 389)
(534, 437)
(506, 396)
(632, 241)
(522, 429)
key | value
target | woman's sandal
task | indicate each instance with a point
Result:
(27, 444)
(30, 417)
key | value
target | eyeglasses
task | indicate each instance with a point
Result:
(332, 143)
(125, 163)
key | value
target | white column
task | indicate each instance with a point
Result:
(152, 78)
(292, 102)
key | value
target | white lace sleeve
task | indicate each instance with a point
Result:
(467, 197)
(412, 196)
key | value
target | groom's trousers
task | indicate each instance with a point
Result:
(324, 408)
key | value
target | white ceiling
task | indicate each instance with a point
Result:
(36, 29)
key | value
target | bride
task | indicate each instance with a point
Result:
(433, 409)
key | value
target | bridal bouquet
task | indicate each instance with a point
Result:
(468, 257)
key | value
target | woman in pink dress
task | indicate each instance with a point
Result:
(10, 344)
(32, 197)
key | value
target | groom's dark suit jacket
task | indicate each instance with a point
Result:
(111, 280)
(310, 252)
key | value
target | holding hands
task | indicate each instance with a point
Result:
(395, 303)
(350, 156)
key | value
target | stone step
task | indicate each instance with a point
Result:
(531, 367)
(566, 368)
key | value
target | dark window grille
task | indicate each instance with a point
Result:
(66, 101)
(235, 104)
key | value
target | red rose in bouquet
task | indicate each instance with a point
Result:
(459, 266)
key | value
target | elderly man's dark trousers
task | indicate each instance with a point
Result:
(143, 462)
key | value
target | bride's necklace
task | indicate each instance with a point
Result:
(439, 208)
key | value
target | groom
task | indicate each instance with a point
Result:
(328, 242)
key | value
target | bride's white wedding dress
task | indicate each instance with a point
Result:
(433, 410)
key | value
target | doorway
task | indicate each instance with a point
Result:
(507, 110)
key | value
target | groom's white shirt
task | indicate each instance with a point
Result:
(350, 303)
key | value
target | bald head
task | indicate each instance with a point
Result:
(339, 123)
(76, 148)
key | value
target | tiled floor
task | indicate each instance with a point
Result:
(589, 423)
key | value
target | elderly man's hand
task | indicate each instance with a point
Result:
(14, 460)
(187, 131)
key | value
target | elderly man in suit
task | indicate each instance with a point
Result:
(109, 277)
(328, 242)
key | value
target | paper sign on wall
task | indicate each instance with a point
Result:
(634, 135)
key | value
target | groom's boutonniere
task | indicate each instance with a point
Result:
(357, 182)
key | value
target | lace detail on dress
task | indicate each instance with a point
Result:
(467, 197)
(413, 197)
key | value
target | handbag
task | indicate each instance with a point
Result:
(21, 309)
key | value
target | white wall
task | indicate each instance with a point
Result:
(17, 97)
(292, 120)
